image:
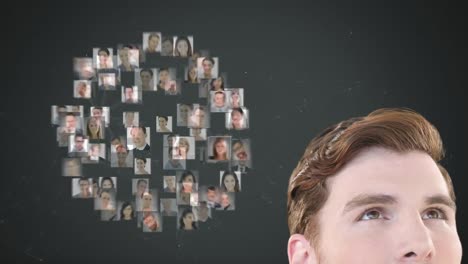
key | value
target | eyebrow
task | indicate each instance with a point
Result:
(441, 199)
(367, 199)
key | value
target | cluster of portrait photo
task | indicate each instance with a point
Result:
(154, 134)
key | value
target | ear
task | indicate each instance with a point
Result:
(300, 251)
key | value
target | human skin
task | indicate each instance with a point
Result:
(229, 183)
(188, 184)
(188, 219)
(147, 201)
(219, 100)
(138, 137)
(170, 182)
(128, 212)
(207, 66)
(84, 188)
(236, 117)
(145, 80)
(392, 218)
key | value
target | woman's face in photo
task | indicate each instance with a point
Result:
(128, 211)
(184, 110)
(236, 117)
(182, 48)
(217, 83)
(207, 66)
(188, 220)
(198, 117)
(142, 187)
(193, 73)
(225, 200)
(229, 183)
(221, 148)
(140, 164)
(82, 89)
(235, 98)
(167, 47)
(93, 125)
(153, 42)
(107, 184)
(147, 200)
(188, 183)
(163, 76)
(162, 122)
(183, 147)
(123, 54)
(105, 199)
(145, 78)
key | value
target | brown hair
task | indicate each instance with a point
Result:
(397, 129)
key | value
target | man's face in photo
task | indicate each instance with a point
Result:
(387, 207)
(219, 99)
(211, 196)
(138, 137)
(128, 93)
(170, 182)
(145, 78)
(79, 141)
(70, 122)
(84, 186)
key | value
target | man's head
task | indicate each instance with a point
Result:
(84, 185)
(219, 99)
(70, 121)
(128, 93)
(146, 75)
(170, 181)
(79, 142)
(103, 55)
(203, 211)
(371, 190)
(139, 136)
(211, 194)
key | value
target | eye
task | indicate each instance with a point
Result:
(371, 214)
(434, 213)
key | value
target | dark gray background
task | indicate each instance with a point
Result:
(303, 67)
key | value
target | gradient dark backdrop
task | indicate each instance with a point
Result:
(303, 68)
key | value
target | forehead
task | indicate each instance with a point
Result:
(410, 177)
